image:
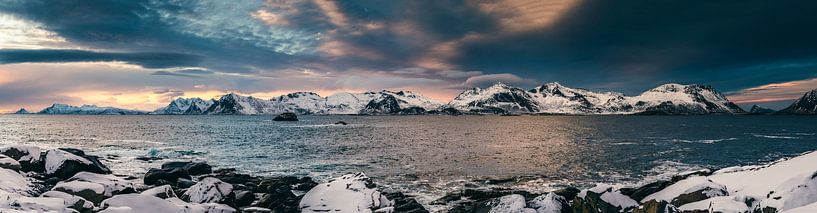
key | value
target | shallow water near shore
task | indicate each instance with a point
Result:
(428, 156)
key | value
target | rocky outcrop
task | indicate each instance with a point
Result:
(287, 116)
(65, 163)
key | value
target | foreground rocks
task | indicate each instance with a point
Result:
(68, 180)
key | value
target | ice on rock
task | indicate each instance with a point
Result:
(549, 203)
(208, 190)
(348, 193)
(112, 184)
(90, 191)
(55, 160)
(510, 204)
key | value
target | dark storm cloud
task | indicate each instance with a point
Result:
(698, 41)
(147, 60)
(620, 45)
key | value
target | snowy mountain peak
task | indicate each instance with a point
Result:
(805, 105)
(22, 111)
(760, 110)
(184, 106)
(499, 98)
(87, 110)
(684, 99)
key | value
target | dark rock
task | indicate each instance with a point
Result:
(184, 183)
(653, 206)
(641, 192)
(412, 111)
(568, 193)
(287, 116)
(279, 201)
(592, 203)
(699, 195)
(9, 163)
(341, 123)
(685, 175)
(243, 198)
(450, 111)
(163, 191)
(153, 175)
(192, 168)
(404, 203)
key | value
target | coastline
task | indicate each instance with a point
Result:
(69, 180)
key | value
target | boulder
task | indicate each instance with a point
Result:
(202, 207)
(71, 201)
(654, 206)
(7, 162)
(29, 157)
(94, 187)
(36, 204)
(243, 198)
(278, 192)
(341, 123)
(287, 116)
(137, 203)
(348, 193)
(163, 191)
(12, 182)
(153, 176)
(602, 199)
(63, 164)
(404, 203)
(550, 203)
(641, 192)
(508, 204)
(93, 192)
(691, 189)
(192, 168)
(209, 190)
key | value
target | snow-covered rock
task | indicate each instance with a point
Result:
(34, 204)
(689, 190)
(185, 106)
(603, 198)
(724, 204)
(163, 191)
(7, 162)
(208, 190)
(87, 110)
(94, 187)
(71, 201)
(136, 203)
(806, 105)
(13, 182)
(549, 203)
(63, 164)
(201, 207)
(509, 204)
(348, 193)
(29, 157)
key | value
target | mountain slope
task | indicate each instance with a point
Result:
(499, 98)
(184, 106)
(558, 99)
(87, 110)
(683, 99)
(806, 105)
(758, 110)
(22, 111)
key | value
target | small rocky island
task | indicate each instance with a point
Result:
(33, 179)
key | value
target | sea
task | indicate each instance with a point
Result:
(430, 156)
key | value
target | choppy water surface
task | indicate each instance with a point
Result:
(431, 155)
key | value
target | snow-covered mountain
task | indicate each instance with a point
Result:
(758, 110)
(87, 110)
(554, 98)
(22, 111)
(683, 99)
(185, 106)
(384, 102)
(499, 98)
(806, 105)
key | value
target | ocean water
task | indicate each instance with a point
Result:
(428, 156)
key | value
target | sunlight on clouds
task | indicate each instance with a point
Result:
(774, 92)
(523, 15)
(22, 34)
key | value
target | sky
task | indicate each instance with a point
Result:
(140, 54)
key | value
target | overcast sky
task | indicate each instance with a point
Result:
(142, 53)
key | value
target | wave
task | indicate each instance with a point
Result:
(707, 141)
(774, 136)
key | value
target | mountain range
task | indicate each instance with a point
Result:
(551, 98)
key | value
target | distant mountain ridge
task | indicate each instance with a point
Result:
(550, 98)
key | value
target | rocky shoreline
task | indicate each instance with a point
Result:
(33, 179)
